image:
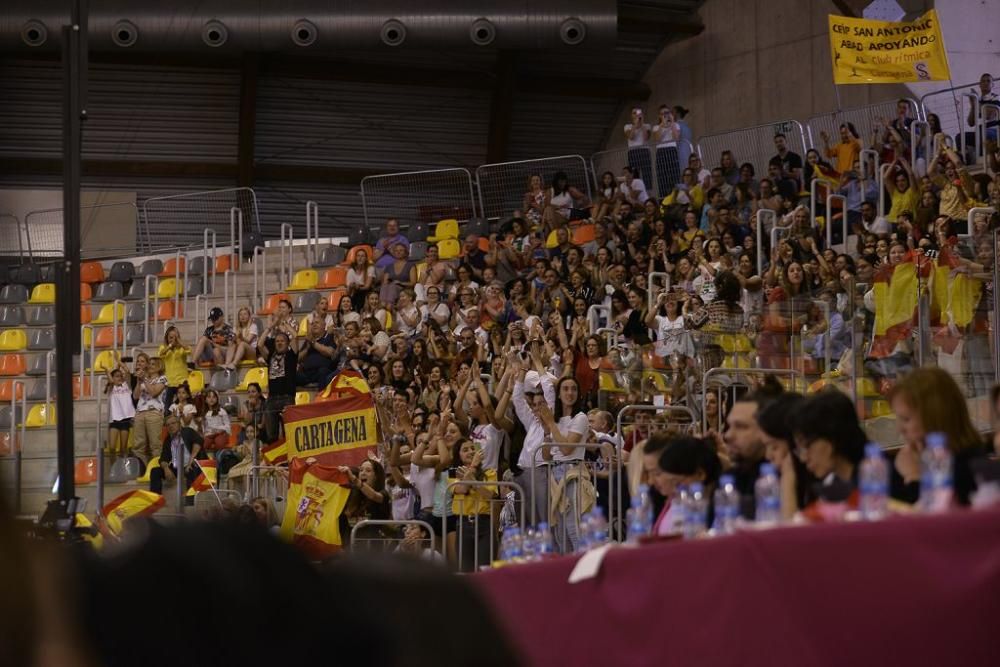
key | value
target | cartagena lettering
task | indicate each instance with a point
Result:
(332, 433)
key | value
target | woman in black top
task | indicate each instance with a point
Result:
(635, 327)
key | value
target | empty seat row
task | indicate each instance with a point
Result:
(13, 340)
(32, 316)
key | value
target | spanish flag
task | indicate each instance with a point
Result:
(895, 293)
(316, 498)
(275, 454)
(959, 294)
(130, 505)
(208, 478)
(345, 383)
(91, 533)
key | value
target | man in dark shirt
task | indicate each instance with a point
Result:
(746, 447)
(786, 187)
(213, 343)
(281, 366)
(181, 450)
(791, 162)
(316, 356)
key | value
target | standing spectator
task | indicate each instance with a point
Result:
(214, 343)
(360, 278)
(904, 190)
(534, 201)
(666, 133)
(532, 388)
(847, 151)
(637, 134)
(215, 424)
(702, 175)
(175, 357)
(121, 411)
(955, 187)
(183, 448)
(397, 274)
(391, 236)
(316, 357)
(730, 171)
(245, 343)
(148, 392)
(368, 500)
(989, 110)
(791, 162)
(281, 365)
(686, 142)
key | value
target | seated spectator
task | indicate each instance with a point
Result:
(281, 365)
(360, 279)
(321, 313)
(775, 421)
(702, 176)
(390, 238)
(407, 316)
(672, 461)
(607, 196)
(473, 257)
(182, 448)
(315, 361)
(345, 314)
(214, 343)
(245, 342)
(375, 341)
(183, 408)
(791, 162)
(398, 273)
(729, 168)
(373, 308)
(744, 443)
(252, 409)
(788, 188)
(215, 423)
(928, 400)
(564, 203)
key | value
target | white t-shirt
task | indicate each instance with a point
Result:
(666, 332)
(189, 412)
(635, 191)
(327, 319)
(423, 480)
(641, 137)
(147, 402)
(120, 403)
(356, 278)
(666, 135)
(577, 424)
(489, 438)
(401, 324)
(440, 313)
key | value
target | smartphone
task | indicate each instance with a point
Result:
(126, 360)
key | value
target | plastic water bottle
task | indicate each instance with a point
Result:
(695, 511)
(598, 528)
(544, 546)
(512, 545)
(682, 498)
(873, 480)
(767, 491)
(727, 506)
(935, 474)
(584, 533)
(529, 544)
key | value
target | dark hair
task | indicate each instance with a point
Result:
(559, 176)
(850, 128)
(727, 287)
(657, 442)
(680, 111)
(747, 165)
(256, 384)
(287, 303)
(762, 396)
(775, 418)
(574, 409)
(687, 455)
(830, 414)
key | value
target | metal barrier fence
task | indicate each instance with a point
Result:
(43, 228)
(417, 197)
(11, 239)
(385, 536)
(480, 520)
(502, 185)
(660, 167)
(753, 144)
(946, 104)
(863, 118)
(183, 218)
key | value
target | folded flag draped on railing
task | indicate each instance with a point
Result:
(128, 506)
(316, 498)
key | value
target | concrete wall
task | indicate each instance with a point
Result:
(757, 61)
(972, 36)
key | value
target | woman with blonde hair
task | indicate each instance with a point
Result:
(928, 400)
(246, 339)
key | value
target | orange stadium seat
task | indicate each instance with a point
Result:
(172, 267)
(9, 390)
(272, 304)
(333, 300)
(91, 272)
(12, 364)
(86, 293)
(223, 263)
(166, 311)
(333, 277)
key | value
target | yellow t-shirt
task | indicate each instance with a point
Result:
(903, 201)
(175, 364)
(845, 154)
(474, 502)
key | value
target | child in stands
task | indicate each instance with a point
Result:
(215, 425)
(121, 411)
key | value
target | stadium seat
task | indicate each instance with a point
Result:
(37, 391)
(25, 274)
(107, 292)
(272, 304)
(583, 234)
(257, 374)
(41, 415)
(136, 291)
(136, 312)
(110, 313)
(12, 364)
(235, 429)
(151, 267)
(11, 316)
(303, 326)
(330, 256)
(38, 316)
(196, 382)
(5, 416)
(105, 361)
(135, 334)
(197, 266)
(122, 272)
(76, 387)
(223, 380)
(166, 311)
(13, 340)
(36, 366)
(306, 279)
(173, 267)
(302, 398)
(85, 471)
(11, 390)
(43, 293)
(449, 248)
(333, 277)
(47, 273)
(418, 251)
(42, 339)
(333, 299)
(478, 226)
(359, 235)
(169, 288)
(153, 464)
(303, 303)
(13, 294)
(223, 263)
(352, 253)
(445, 229)
(85, 314)
(879, 408)
(194, 286)
(91, 272)
(106, 337)
(418, 232)
(85, 292)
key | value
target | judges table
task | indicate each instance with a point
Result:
(916, 590)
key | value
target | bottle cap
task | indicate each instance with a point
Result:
(696, 487)
(873, 449)
(936, 439)
(726, 479)
(767, 469)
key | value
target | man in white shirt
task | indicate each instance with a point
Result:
(529, 388)
(633, 188)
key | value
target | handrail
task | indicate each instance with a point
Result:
(593, 312)
(827, 355)
(16, 445)
(197, 319)
(205, 265)
(501, 496)
(610, 332)
(389, 522)
(98, 450)
(974, 109)
(312, 232)
(761, 214)
(813, 192)
(229, 308)
(236, 237)
(829, 219)
(864, 169)
(114, 324)
(49, 361)
(538, 461)
(262, 296)
(286, 273)
(880, 187)
(794, 372)
(920, 135)
(156, 307)
(84, 327)
(177, 282)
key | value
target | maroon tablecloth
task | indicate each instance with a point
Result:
(907, 591)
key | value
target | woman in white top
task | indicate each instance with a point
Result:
(215, 423)
(480, 417)
(534, 200)
(668, 322)
(121, 411)
(467, 312)
(637, 134)
(183, 408)
(360, 278)
(666, 134)
(246, 339)
(373, 308)
(319, 312)
(567, 427)
(563, 203)
(435, 309)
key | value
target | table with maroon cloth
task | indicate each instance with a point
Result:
(914, 590)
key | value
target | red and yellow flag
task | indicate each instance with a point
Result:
(316, 498)
(208, 478)
(275, 454)
(895, 292)
(345, 383)
(129, 505)
(338, 432)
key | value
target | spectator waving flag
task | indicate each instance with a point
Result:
(316, 498)
(344, 383)
(130, 505)
(895, 293)
(208, 478)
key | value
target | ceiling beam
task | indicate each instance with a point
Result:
(666, 22)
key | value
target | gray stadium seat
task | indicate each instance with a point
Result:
(40, 316)
(358, 235)
(136, 312)
(25, 274)
(418, 250)
(47, 273)
(122, 272)
(41, 339)
(36, 366)
(11, 316)
(37, 390)
(223, 380)
(194, 286)
(477, 226)
(15, 294)
(151, 267)
(108, 291)
(196, 267)
(330, 256)
(5, 413)
(305, 302)
(230, 401)
(418, 231)
(135, 290)
(134, 335)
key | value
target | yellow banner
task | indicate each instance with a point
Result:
(335, 432)
(865, 51)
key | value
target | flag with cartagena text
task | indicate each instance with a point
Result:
(341, 432)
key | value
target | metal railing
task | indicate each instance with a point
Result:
(183, 217)
(566, 542)
(594, 312)
(763, 215)
(494, 504)
(829, 219)
(862, 118)
(17, 445)
(945, 104)
(502, 185)
(755, 144)
(229, 306)
(12, 237)
(155, 315)
(312, 232)
(413, 197)
(383, 542)
(259, 288)
(206, 267)
(83, 357)
(236, 237)
(287, 247)
(43, 228)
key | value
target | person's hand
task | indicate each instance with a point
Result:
(477, 459)
(168, 474)
(543, 412)
(351, 477)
